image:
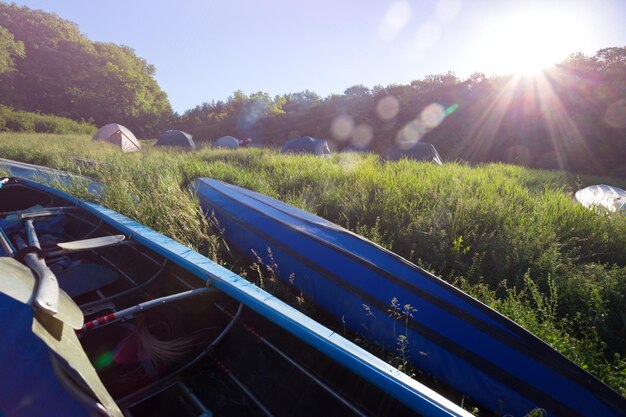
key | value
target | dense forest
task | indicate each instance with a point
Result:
(48, 66)
(573, 116)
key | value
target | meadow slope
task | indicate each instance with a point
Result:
(510, 236)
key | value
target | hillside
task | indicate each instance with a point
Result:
(571, 116)
(48, 66)
(510, 236)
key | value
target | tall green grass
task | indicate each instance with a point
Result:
(510, 236)
(18, 121)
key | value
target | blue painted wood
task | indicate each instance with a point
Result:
(47, 175)
(400, 386)
(29, 385)
(452, 336)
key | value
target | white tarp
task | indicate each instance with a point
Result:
(606, 196)
(118, 135)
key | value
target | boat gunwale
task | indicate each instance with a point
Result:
(405, 389)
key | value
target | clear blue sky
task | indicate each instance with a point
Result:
(204, 50)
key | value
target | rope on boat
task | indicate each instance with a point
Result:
(47, 291)
(205, 352)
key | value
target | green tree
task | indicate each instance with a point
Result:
(66, 74)
(9, 50)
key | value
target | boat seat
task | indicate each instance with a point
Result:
(84, 278)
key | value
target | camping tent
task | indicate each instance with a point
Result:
(176, 138)
(605, 196)
(118, 135)
(306, 144)
(356, 148)
(228, 142)
(420, 151)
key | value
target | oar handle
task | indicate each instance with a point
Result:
(47, 293)
(33, 240)
(109, 318)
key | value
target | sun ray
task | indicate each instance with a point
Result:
(482, 136)
(566, 139)
(530, 96)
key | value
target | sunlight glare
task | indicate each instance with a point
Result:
(615, 115)
(429, 118)
(396, 18)
(388, 107)
(432, 115)
(427, 36)
(363, 135)
(526, 43)
(447, 10)
(342, 127)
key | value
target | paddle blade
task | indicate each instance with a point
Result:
(97, 242)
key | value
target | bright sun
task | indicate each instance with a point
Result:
(527, 42)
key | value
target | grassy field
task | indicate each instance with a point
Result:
(510, 236)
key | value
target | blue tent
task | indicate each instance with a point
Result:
(306, 144)
(176, 138)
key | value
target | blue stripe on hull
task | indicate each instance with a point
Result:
(48, 176)
(29, 385)
(416, 396)
(466, 344)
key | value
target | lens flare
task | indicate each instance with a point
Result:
(362, 135)
(447, 10)
(396, 18)
(565, 139)
(432, 115)
(349, 162)
(103, 360)
(615, 115)
(411, 133)
(387, 108)
(451, 109)
(427, 36)
(429, 118)
(342, 127)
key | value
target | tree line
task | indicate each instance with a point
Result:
(573, 116)
(48, 66)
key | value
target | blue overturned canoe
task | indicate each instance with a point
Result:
(451, 336)
(162, 330)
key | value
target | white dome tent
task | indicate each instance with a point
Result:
(227, 142)
(118, 135)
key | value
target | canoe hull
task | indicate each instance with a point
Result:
(448, 334)
(399, 387)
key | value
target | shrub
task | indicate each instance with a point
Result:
(18, 121)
